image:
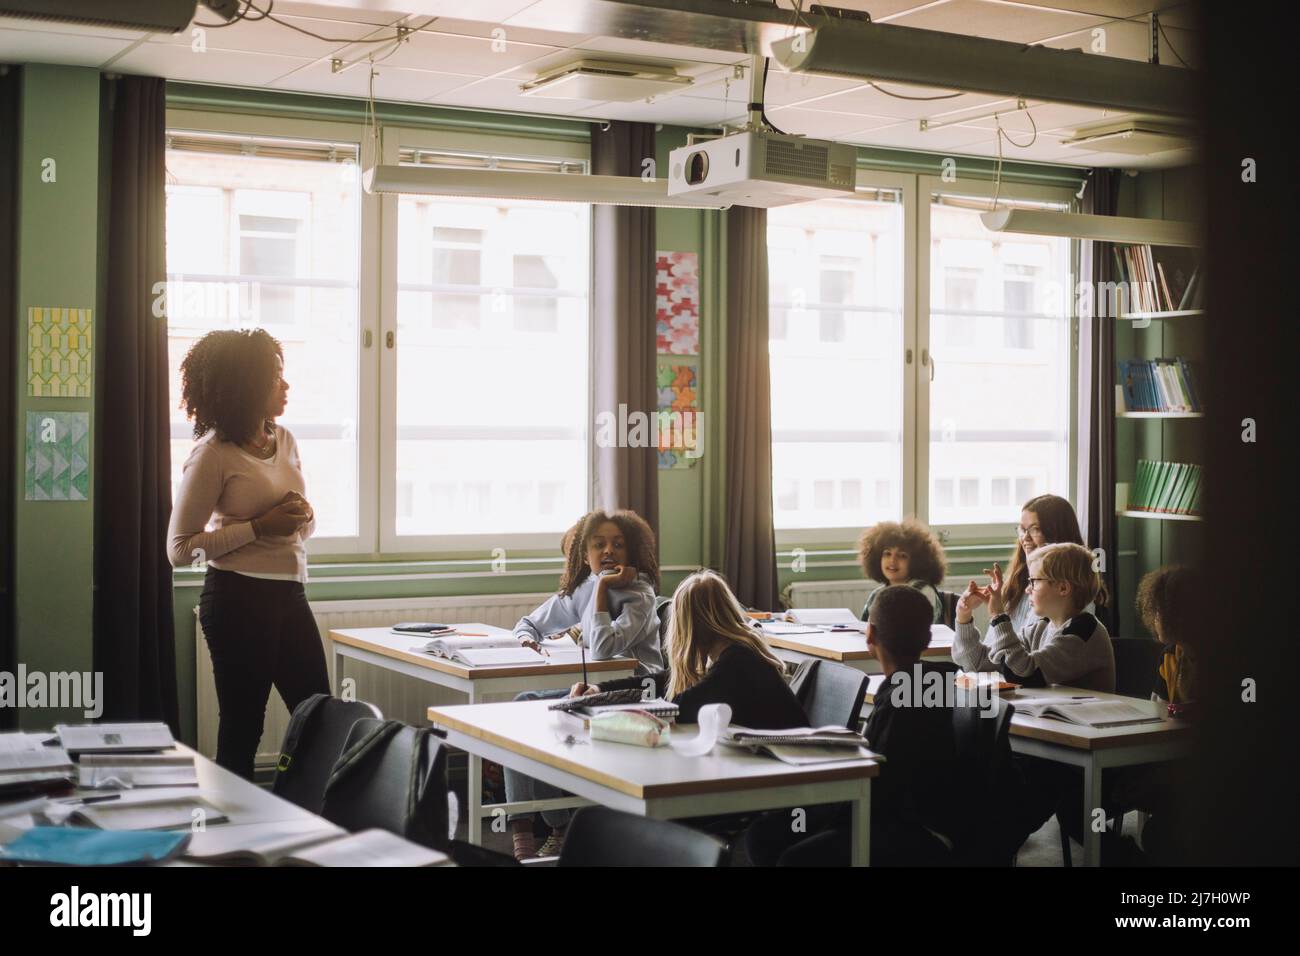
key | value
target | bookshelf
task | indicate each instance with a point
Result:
(1161, 316)
(1159, 516)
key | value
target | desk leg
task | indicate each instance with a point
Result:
(474, 792)
(861, 830)
(1091, 800)
(338, 670)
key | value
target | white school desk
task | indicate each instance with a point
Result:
(656, 781)
(402, 654)
(248, 806)
(1093, 749)
(843, 647)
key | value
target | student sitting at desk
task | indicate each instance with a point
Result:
(715, 656)
(903, 553)
(1063, 644)
(916, 810)
(607, 591)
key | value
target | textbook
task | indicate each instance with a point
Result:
(114, 738)
(824, 616)
(27, 765)
(368, 848)
(495, 649)
(71, 846)
(257, 844)
(1088, 711)
(123, 771)
(801, 745)
(173, 813)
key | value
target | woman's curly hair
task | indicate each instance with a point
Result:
(638, 539)
(1176, 595)
(225, 379)
(926, 559)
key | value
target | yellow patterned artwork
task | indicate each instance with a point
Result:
(60, 352)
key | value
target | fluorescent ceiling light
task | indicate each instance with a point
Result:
(546, 187)
(882, 51)
(1135, 140)
(1121, 229)
(605, 81)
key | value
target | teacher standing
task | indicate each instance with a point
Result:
(242, 510)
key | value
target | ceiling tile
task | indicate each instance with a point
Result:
(33, 46)
(449, 53)
(391, 83)
(674, 111)
(872, 101)
(818, 124)
(214, 66)
(998, 21)
(504, 95)
(1046, 116)
(485, 28)
(909, 136)
(265, 36)
(619, 45)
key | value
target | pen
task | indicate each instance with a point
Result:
(110, 796)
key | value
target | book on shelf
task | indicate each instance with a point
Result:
(1159, 278)
(1157, 385)
(1166, 487)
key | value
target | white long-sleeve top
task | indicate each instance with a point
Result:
(630, 628)
(222, 489)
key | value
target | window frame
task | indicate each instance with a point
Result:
(244, 124)
(927, 187)
(395, 139)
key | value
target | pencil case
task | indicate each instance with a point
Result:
(630, 727)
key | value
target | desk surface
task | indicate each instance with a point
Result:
(409, 648)
(840, 645)
(527, 728)
(1077, 736)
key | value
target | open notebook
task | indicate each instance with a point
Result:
(500, 649)
(801, 745)
(307, 843)
(1088, 712)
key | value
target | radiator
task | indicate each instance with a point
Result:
(852, 594)
(398, 697)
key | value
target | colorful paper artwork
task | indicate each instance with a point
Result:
(681, 435)
(60, 352)
(677, 297)
(58, 456)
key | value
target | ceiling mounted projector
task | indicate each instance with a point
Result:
(604, 80)
(762, 169)
(159, 16)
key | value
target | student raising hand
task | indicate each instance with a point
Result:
(993, 592)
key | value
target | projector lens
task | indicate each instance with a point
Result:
(697, 167)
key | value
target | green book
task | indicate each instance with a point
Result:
(1174, 487)
(1142, 490)
(1164, 474)
(1191, 500)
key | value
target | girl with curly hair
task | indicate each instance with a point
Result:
(241, 510)
(905, 552)
(608, 586)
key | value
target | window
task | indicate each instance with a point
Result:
(264, 233)
(1000, 398)
(491, 367)
(836, 345)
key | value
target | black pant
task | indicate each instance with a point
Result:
(259, 632)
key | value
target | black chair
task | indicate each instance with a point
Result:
(312, 744)
(831, 694)
(982, 748)
(599, 836)
(949, 601)
(393, 777)
(663, 611)
(1136, 659)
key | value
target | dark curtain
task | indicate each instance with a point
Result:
(1097, 518)
(749, 555)
(9, 90)
(134, 639)
(625, 339)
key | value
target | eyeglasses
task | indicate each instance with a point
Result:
(1033, 583)
(1033, 531)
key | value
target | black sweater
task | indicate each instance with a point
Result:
(759, 697)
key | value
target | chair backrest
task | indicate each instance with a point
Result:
(394, 777)
(599, 836)
(1135, 665)
(949, 599)
(831, 694)
(312, 744)
(663, 611)
(982, 745)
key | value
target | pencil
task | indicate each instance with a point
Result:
(582, 651)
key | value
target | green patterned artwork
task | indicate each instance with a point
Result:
(60, 355)
(58, 456)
